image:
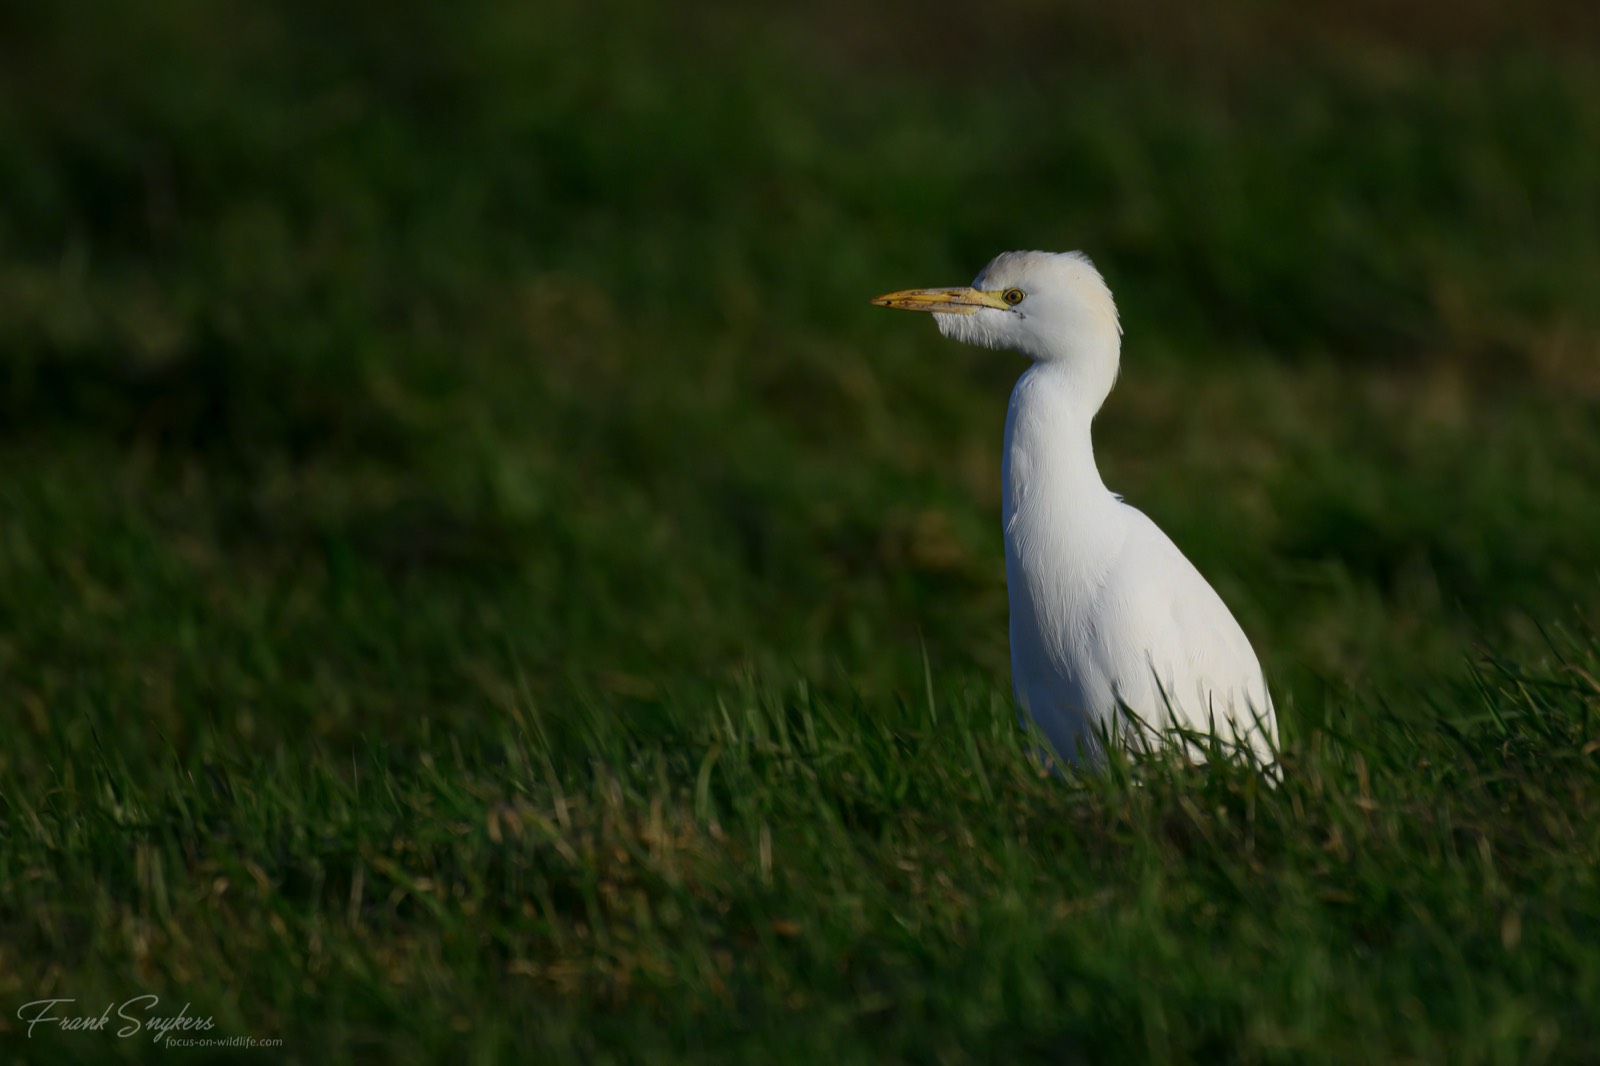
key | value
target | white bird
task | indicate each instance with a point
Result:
(1107, 616)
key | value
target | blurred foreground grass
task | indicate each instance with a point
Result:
(475, 573)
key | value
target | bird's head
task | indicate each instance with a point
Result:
(1053, 307)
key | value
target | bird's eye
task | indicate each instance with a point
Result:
(1013, 296)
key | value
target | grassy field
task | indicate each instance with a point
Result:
(478, 582)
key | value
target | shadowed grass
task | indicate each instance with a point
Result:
(786, 874)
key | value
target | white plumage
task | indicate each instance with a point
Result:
(1114, 633)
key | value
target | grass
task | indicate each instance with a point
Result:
(478, 581)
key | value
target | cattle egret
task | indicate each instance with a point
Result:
(1115, 636)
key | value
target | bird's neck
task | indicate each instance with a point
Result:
(1050, 474)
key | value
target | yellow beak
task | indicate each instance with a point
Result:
(942, 301)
